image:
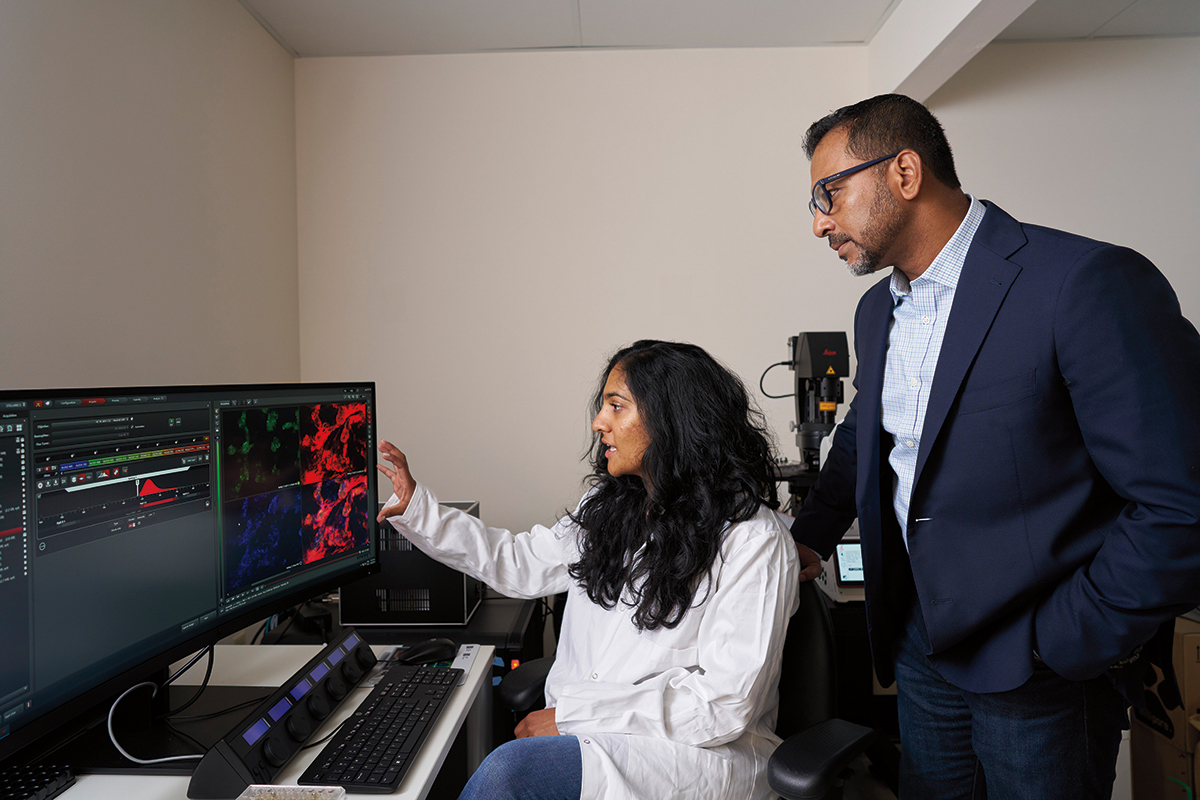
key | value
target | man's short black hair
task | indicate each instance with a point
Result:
(887, 124)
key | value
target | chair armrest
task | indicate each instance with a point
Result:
(807, 764)
(524, 688)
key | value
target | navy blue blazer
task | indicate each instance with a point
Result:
(1056, 504)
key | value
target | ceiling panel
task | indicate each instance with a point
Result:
(1048, 20)
(416, 27)
(1156, 18)
(1063, 19)
(729, 23)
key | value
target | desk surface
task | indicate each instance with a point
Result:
(271, 665)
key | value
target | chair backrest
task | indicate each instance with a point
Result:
(808, 682)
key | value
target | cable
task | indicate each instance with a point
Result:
(199, 655)
(763, 389)
(324, 739)
(294, 615)
(262, 631)
(175, 729)
(215, 714)
(112, 736)
(203, 683)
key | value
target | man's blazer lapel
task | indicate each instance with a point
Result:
(871, 336)
(986, 277)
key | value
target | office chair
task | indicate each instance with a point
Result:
(813, 761)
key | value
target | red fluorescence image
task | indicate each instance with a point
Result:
(335, 517)
(333, 440)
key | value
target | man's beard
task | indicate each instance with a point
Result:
(878, 235)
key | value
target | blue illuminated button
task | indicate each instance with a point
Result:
(300, 689)
(351, 642)
(336, 656)
(280, 709)
(256, 731)
(318, 673)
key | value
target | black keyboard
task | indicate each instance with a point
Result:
(34, 783)
(376, 746)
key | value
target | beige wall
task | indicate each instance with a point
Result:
(147, 195)
(1100, 138)
(496, 225)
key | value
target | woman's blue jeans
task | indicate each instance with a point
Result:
(536, 768)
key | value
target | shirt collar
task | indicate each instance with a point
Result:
(947, 266)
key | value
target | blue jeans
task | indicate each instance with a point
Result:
(537, 768)
(1050, 738)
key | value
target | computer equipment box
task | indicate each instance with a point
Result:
(410, 587)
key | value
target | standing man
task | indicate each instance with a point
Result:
(1023, 457)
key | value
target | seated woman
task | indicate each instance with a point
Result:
(680, 582)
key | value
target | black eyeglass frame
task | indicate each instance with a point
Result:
(814, 205)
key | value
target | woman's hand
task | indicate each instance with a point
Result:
(403, 483)
(537, 723)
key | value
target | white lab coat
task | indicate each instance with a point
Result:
(687, 712)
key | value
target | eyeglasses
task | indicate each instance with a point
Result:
(821, 199)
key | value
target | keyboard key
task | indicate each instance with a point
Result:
(374, 750)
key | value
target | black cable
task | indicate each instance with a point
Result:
(332, 733)
(214, 714)
(295, 613)
(762, 389)
(262, 631)
(203, 683)
(201, 653)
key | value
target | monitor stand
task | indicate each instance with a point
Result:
(145, 734)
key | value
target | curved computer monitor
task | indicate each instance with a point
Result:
(138, 525)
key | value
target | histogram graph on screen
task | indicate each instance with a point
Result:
(85, 511)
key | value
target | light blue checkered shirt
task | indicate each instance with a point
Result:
(919, 313)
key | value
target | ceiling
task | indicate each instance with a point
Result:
(313, 28)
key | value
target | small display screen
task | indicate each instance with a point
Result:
(849, 564)
(336, 656)
(300, 689)
(318, 673)
(280, 709)
(256, 731)
(351, 642)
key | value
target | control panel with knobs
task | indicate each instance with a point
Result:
(257, 748)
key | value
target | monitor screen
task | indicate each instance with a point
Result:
(140, 524)
(849, 564)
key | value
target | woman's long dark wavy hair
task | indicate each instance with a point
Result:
(706, 467)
